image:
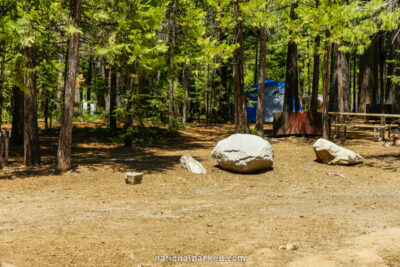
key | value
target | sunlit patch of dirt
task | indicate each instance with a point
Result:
(89, 216)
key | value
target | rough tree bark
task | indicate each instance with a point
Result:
(261, 83)
(172, 43)
(186, 86)
(382, 59)
(2, 69)
(223, 74)
(292, 80)
(366, 78)
(113, 98)
(339, 95)
(375, 69)
(46, 110)
(315, 82)
(17, 128)
(343, 83)
(325, 117)
(64, 161)
(60, 85)
(355, 102)
(31, 133)
(241, 122)
(393, 68)
(333, 80)
(101, 103)
(256, 69)
(89, 84)
(129, 103)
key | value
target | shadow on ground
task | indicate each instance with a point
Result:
(96, 147)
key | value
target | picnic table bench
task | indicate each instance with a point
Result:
(382, 125)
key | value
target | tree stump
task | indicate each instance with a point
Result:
(133, 177)
(4, 141)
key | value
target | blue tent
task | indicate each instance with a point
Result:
(273, 101)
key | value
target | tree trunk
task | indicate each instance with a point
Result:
(60, 87)
(31, 134)
(355, 102)
(186, 86)
(128, 111)
(292, 80)
(256, 69)
(333, 92)
(375, 68)
(393, 68)
(209, 97)
(325, 116)
(46, 110)
(223, 74)
(17, 130)
(64, 161)
(212, 97)
(2, 69)
(89, 84)
(366, 78)
(241, 122)
(171, 101)
(315, 82)
(308, 79)
(343, 83)
(291, 83)
(261, 82)
(382, 59)
(101, 92)
(339, 95)
(301, 93)
(172, 42)
(113, 98)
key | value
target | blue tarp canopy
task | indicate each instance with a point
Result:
(273, 101)
(269, 83)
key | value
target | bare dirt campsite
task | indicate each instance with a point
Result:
(332, 215)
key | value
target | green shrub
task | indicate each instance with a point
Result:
(146, 135)
(254, 131)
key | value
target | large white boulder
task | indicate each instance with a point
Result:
(330, 153)
(243, 153)
(192, 165)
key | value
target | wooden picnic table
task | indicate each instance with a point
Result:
(382, 126)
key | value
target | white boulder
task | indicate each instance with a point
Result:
(192, 165)
(330, 153)
(243, 153)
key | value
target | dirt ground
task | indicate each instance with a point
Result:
(335, 215)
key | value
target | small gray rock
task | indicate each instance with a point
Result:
(289, 247)
(192, 165)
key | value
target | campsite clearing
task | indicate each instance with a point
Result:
(89, 216)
